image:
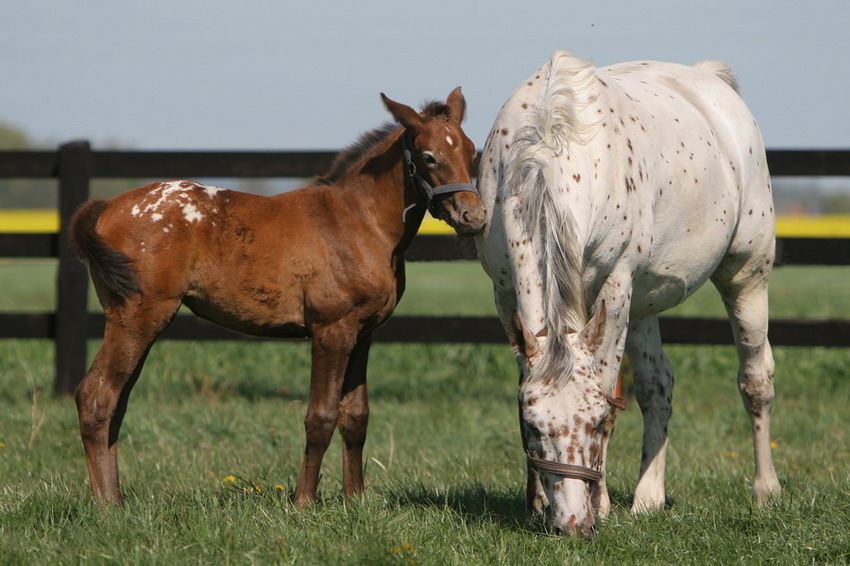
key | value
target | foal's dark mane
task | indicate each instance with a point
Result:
(348, 157)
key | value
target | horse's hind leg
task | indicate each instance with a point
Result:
(653, 390)
(744, 292)
(104, 391)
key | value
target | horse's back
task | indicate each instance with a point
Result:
(660, 167)
(709, 187)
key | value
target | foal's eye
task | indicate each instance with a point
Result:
(429, 159)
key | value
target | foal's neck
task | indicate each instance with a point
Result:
(385, 194)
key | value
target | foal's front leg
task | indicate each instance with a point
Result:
(354, 418)
(331, 350)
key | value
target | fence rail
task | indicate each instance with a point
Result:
(75, 164)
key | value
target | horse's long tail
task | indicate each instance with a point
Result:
(111, 270)
(554, 123)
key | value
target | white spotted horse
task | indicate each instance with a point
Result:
(324, 262)
(612, 195)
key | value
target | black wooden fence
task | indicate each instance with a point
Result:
(71, 325)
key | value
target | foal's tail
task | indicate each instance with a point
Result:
(111, 270)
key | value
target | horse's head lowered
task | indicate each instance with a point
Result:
(438, 158)
(564, 419)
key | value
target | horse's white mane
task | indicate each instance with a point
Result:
(721, 69)
(554, 124)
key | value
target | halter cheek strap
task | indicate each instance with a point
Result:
(424, 190)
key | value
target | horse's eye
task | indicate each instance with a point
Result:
(429, 159)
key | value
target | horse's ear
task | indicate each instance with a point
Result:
(457, 105)
(403, 114)
(594, 330)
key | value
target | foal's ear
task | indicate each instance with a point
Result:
(594, 330)
(457, 105)
(403, 114)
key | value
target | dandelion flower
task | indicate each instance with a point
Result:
(774, 445)
(2, 445)
(229, 479)
(279, 486)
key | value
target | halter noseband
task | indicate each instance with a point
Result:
(424, 190)
(571, 471)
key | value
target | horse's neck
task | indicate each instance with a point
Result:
(380, 189)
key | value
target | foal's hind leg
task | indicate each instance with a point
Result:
(354, 418)
(653, 390)
(104, 391)
(745, 299)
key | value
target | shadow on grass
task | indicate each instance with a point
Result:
(257, 391)
(477, 504)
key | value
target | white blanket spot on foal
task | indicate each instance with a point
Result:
(211, 191)
(192, 199)
(191, 212)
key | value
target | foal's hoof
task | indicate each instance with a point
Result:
(304, 500)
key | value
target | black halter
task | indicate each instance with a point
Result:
(424, 190)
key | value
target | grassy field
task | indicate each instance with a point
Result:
(211, 447)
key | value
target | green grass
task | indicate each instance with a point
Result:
(444, 472)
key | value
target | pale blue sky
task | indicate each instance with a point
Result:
(273, 74)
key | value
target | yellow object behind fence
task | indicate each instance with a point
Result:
(822, 226)
(30, 221)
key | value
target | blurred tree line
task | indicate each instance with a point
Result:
(43, 193)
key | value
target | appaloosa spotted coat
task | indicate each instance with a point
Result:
(613, 194)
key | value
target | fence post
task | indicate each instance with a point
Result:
(74, 173)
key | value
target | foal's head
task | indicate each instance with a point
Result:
(441, 155)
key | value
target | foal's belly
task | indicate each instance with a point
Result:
(255, 319)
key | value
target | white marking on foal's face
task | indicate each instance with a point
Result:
(449, 140)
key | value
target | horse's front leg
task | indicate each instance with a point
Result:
(332, 347)
(354, 418)
(614, 302)
(654, 391)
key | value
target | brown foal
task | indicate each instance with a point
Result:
(324, 262)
